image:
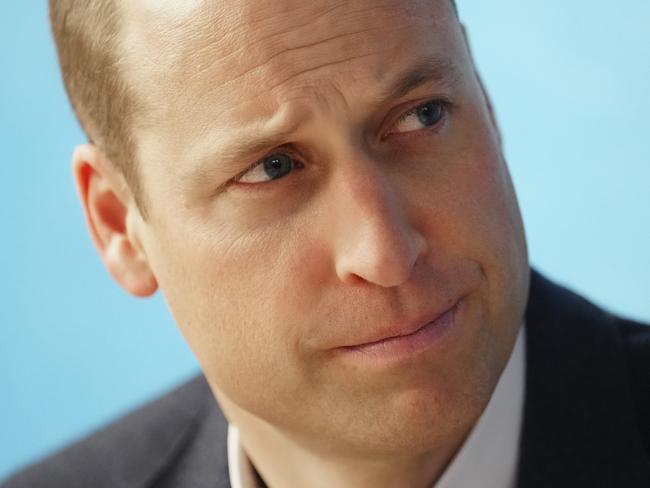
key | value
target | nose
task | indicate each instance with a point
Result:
(374, 241)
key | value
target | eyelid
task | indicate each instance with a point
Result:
(443, 101)
(240, 175)
(279, 150)
(445, 104)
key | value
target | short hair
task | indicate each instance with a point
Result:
(86, 34)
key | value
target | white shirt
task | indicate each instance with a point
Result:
(489, 456)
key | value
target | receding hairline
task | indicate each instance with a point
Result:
(89, 40)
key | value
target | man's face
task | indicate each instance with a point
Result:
(386, 201)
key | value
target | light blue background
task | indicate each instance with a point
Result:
(570, 80)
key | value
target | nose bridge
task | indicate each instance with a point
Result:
(374, 239)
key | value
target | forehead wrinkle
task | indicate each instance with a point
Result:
(294, 106)
(311, 70)
(283, 66)
(278, 57)
(269, 47)
(235, 149)
(184, 101)
(294, 51)
(275, 44)
(232, 154)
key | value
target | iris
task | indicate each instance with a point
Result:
(277, 165)
(430, 113)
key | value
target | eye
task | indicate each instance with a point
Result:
(421, 117)
(270, 168)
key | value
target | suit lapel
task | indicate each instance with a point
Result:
(580, 425)
(202, 457)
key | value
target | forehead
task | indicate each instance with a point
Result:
(235, 45)
(203, 64)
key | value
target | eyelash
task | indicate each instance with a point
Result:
(280, 150)
(444, 105)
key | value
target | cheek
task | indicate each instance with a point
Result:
(243, 301)
(493, 229)
(489, 230)
(487, 205)
(470, 214)
(473, 196)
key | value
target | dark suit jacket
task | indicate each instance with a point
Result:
(586, 415)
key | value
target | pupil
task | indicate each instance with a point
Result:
(430, 113)
(277, 166)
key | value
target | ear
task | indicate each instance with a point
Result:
(108, 208)
(486, 96)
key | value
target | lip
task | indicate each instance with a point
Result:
(408, 338)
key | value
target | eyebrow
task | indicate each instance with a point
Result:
(242, 148)
(227, 159)
(430, 69)
(441, 70)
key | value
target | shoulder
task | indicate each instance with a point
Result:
(636, 340)
(586, 391)
(591, 330)
(128, 452)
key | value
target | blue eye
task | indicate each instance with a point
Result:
(425, 115)
(270, 168)
(429, 114)
(277, 166)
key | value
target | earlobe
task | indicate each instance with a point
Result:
(107, 205)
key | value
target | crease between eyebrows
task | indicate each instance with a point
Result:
(441, 70)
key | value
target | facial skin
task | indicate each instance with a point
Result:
(381, 219)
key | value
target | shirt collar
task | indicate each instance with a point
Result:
(489, 455)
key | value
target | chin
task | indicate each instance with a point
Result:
(420, 419)
(420, 427)
(420, 406)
